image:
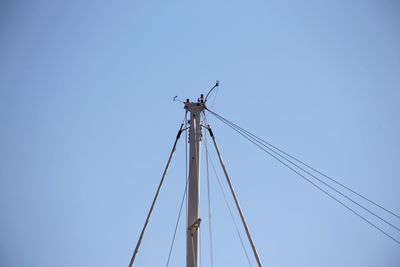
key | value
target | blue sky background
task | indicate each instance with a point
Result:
(87, 122)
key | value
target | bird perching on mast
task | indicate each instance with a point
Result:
(193, 220)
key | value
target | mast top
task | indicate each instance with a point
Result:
(198, 106)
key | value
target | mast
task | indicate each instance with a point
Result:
(193, 220)
(193, 185)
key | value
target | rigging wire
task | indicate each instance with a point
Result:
(239, 209)
(197, 167)
(209, 200)
(257, 143)
(215, 97)
(194, 260)
(230, 210)
(176, 225)
(186, 162)
(305, 164)
(223, 192)
(182, 201)
(155, 197)
(331, 187)
(184, 196)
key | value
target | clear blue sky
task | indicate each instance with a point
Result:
(87, 122)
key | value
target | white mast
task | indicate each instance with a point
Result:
(193, 222)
